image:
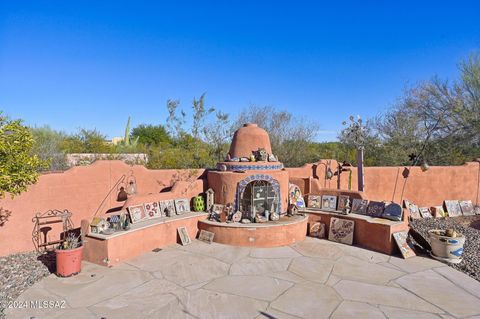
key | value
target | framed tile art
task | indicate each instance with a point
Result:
(182, 206)
(137, 213)
(341, 230)
(167, 208)
(152, 210)
(329, 202)
(359, 206)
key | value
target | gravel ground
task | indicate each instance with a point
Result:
(468, 226)
(20, 271)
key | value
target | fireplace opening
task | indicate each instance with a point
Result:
(257, 197)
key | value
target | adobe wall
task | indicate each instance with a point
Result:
(428, 188)
(225, 185)
(81, 190)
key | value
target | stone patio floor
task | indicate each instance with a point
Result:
(312, 279)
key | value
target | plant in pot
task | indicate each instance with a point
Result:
(447, 245)
(69, 256)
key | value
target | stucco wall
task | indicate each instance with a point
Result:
(81, 190)
(225, 185)
(428, 188)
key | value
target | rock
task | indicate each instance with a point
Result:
(236, 217)
(274, 216)
(261, 219)
(245, 221)
(20, 271)
(468, 227)
(272, 158)
(451, 233)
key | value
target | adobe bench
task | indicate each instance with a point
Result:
(142, 237)
(369, 232)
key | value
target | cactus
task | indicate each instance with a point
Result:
(126, 140)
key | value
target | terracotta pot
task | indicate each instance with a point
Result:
(69, 262)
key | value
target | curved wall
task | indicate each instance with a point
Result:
(83, 190)
(225, 184)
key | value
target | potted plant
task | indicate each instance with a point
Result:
(447, 245)
(69, 256)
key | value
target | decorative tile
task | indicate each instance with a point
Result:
(153, 210)
(359, 206)
(393, 211)
(453, 208)
(329, 202)
(375, 209)
(403, 245)
(182, 206)
(425, 212)
(253, 167)
(137, 213)
(341, 230)
(258, 177)
(467, 207)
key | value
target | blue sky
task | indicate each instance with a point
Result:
(92, 64)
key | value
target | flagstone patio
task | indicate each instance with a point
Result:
(312, 279)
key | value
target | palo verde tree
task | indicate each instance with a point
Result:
(18, 166)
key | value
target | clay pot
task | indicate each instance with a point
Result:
(69, 261)
(450, 248)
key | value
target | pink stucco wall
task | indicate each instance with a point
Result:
(428, 188)
(81, 190)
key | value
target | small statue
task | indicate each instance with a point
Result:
(261, 155)
(168, 212)
(347, 208)
(292, 210)
(228, 210)
(126, 225)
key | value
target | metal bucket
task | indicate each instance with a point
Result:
(446, 247)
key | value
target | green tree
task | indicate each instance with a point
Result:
(438, 118)
(87, 141)
(289, 135)
(175, 121)
(218, 135)
(151, 135)
(48, 146)
(189, 148)
(18, 166)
